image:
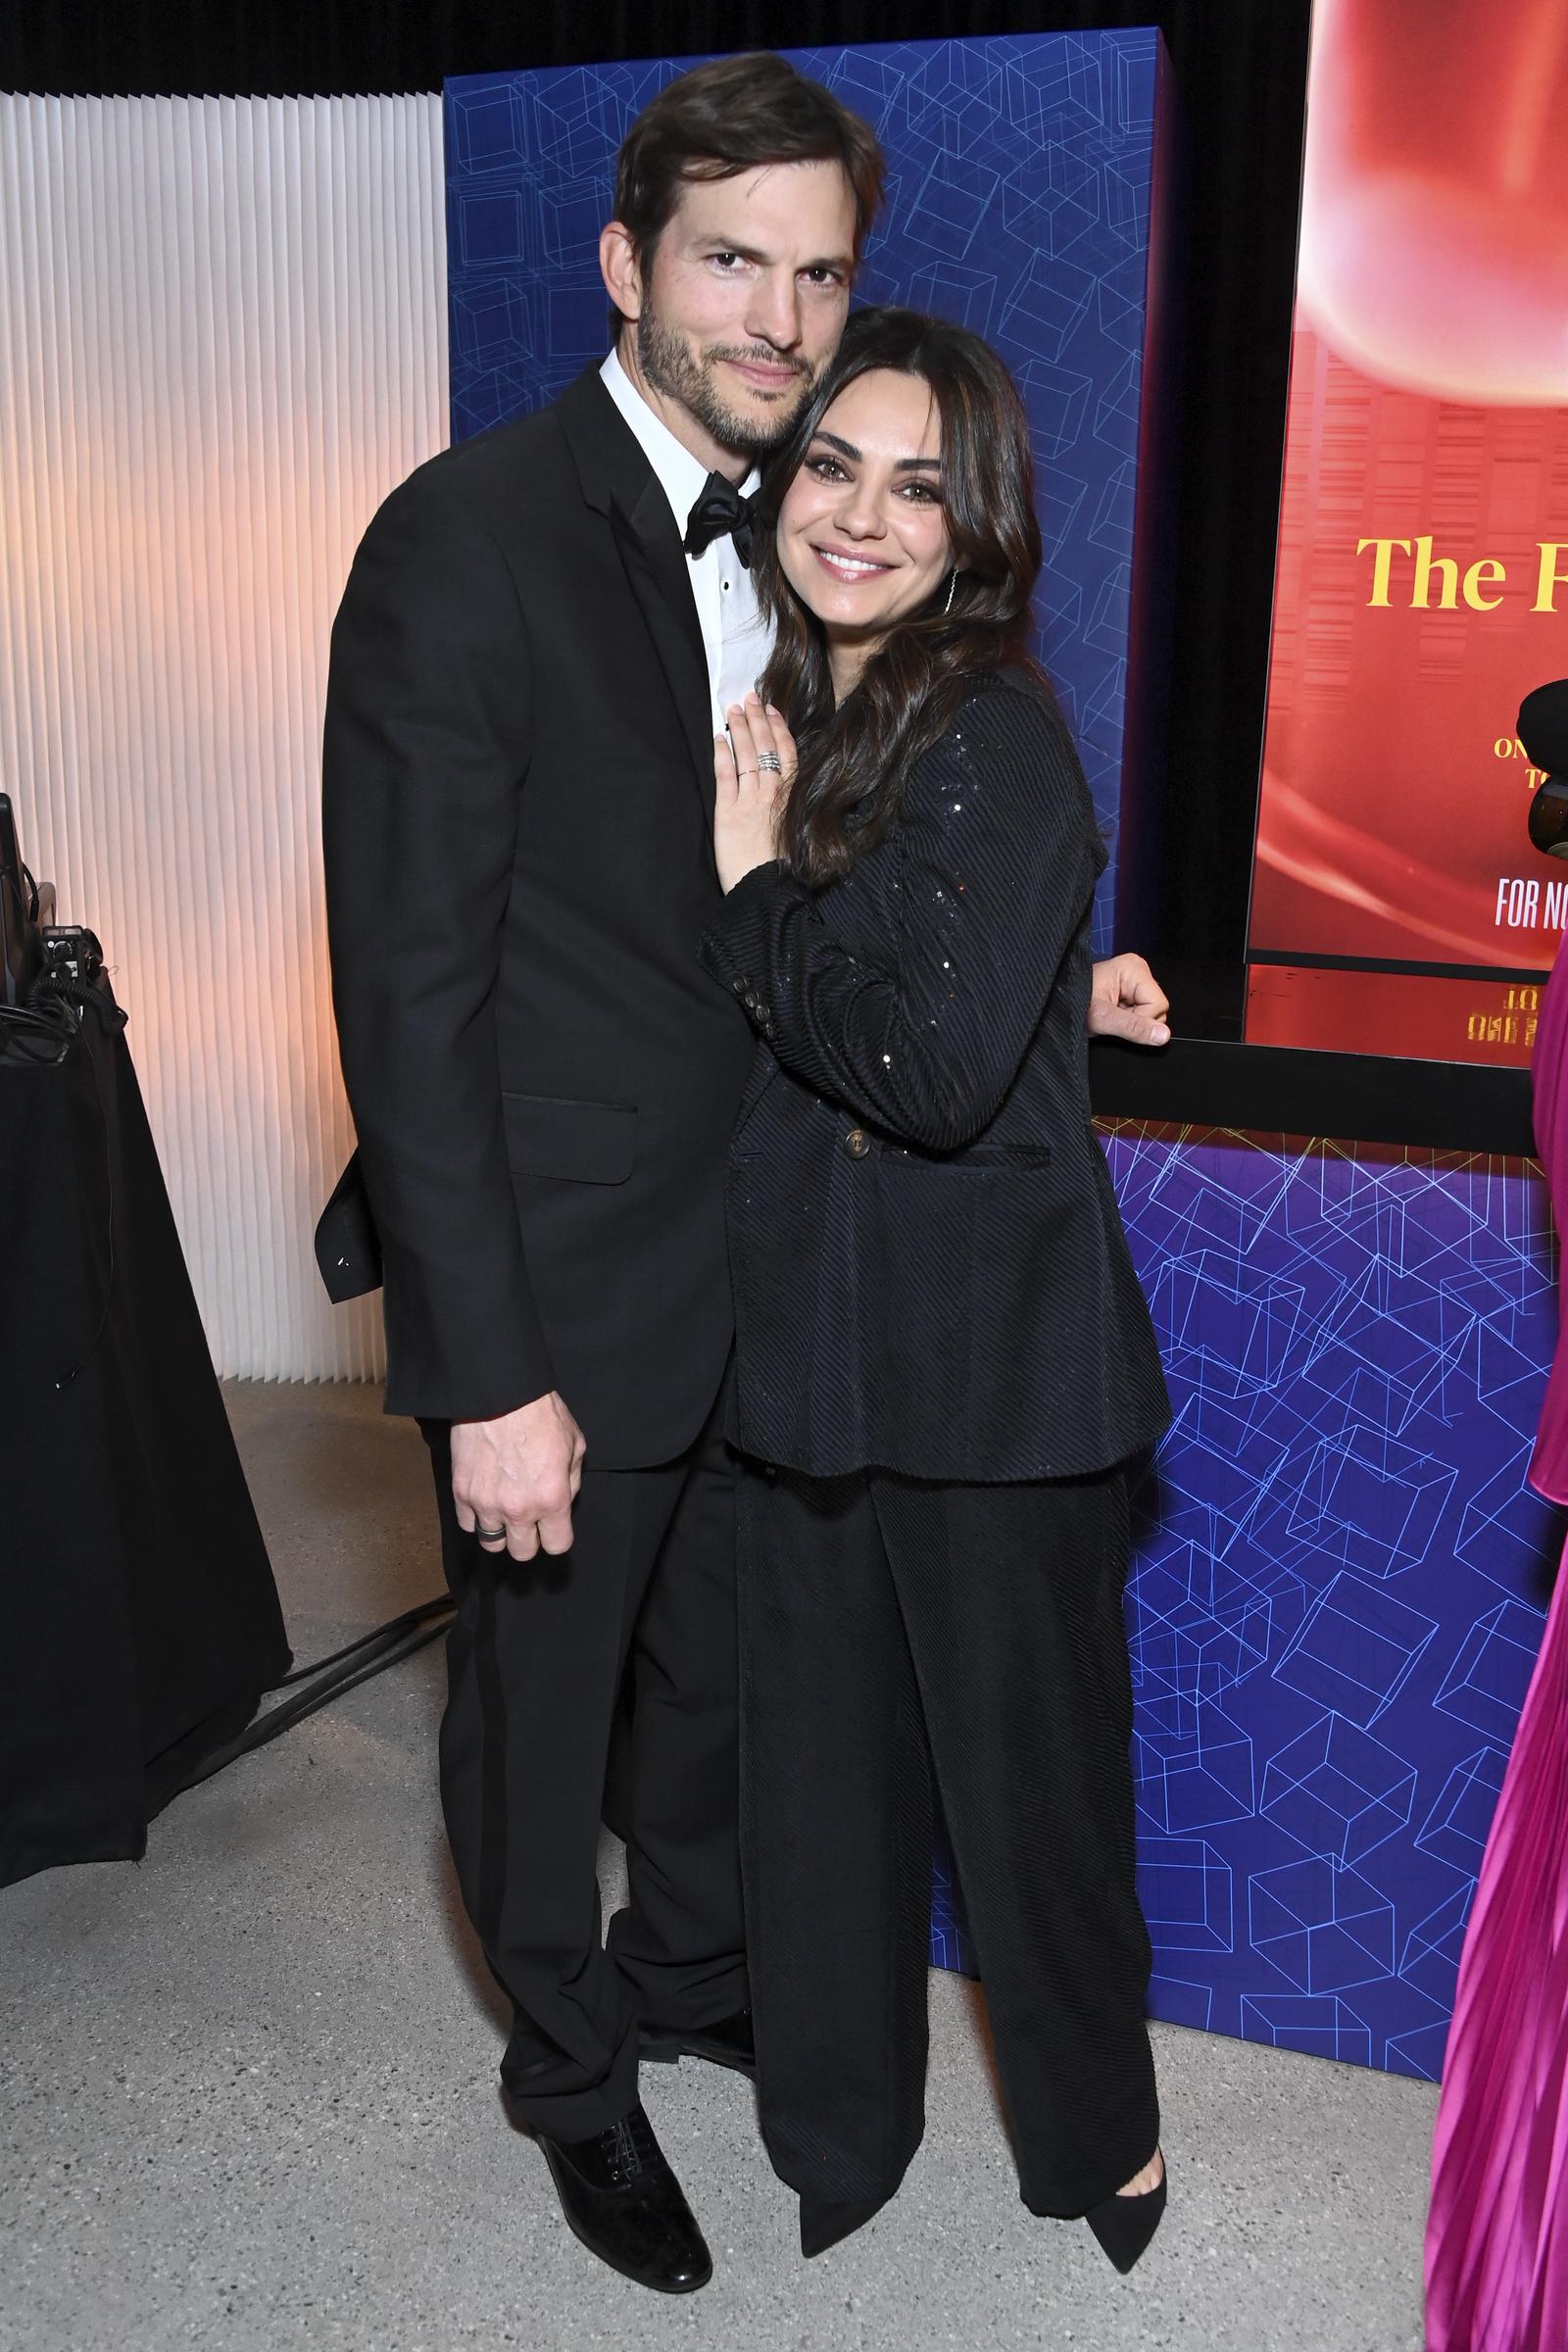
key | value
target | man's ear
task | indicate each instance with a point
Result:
(620, 269)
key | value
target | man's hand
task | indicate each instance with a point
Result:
(1126, 1000)
(518, 1474)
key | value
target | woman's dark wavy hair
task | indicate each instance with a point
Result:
(853, 759)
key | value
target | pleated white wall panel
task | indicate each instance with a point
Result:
(222, 340)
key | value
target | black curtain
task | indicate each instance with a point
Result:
(1240, 65)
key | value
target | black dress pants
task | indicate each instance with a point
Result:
(628, 1637)
(897, 1635)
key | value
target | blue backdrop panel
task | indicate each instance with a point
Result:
(1339, 1578)
(1017, 204)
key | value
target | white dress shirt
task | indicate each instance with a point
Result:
(735, 636)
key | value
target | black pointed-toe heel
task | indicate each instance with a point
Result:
(1124, 2225)
(824, 2222)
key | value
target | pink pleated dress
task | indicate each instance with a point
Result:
(1496, 2244)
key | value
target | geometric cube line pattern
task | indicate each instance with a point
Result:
(1339, 1574)
(1338, 1792)
(1325, 1928)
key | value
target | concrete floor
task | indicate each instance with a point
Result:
(249, 2087)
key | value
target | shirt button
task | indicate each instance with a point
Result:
(856, 1143)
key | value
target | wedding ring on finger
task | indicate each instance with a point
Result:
(770, 763)
(490, 1535)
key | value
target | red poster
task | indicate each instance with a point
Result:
(1422, 584)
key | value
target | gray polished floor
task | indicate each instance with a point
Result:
(248, 2085)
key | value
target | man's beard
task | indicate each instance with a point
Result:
(668, 363)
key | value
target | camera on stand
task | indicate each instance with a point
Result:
(72, 959)
(49, 972)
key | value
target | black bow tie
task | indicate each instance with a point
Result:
(720, 510)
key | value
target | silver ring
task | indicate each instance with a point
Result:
(490, 1535)
(771, 762)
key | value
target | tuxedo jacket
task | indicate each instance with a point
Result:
(518, 816)
(929, 1268)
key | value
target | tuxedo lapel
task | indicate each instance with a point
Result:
(656, 567)
(618, 482)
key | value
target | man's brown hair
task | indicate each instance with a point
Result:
(726, 117)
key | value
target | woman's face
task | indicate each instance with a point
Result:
(862, 532)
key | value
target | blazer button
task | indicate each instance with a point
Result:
(856, 1143)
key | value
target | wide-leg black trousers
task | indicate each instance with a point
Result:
(898, 1635)
(628, 1641)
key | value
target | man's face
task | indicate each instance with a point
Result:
(746, 299)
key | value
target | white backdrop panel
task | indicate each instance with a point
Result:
(222, 340)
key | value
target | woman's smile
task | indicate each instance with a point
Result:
(847, 567)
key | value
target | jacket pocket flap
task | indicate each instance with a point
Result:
(585, 1143)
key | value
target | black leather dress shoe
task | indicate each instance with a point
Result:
(621, 2197)
(729, 2042)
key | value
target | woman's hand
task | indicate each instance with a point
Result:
(754, 766)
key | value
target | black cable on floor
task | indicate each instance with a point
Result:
(330, 1678)
(439, 1607)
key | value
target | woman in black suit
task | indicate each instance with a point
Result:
(943, 1356)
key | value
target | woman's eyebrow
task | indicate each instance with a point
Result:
(847, 449)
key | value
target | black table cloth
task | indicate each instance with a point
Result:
(140, 1621)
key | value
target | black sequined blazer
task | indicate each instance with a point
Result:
(929, 1270)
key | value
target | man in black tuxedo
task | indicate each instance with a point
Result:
(539, 638)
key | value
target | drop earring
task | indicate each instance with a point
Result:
(952, 582)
